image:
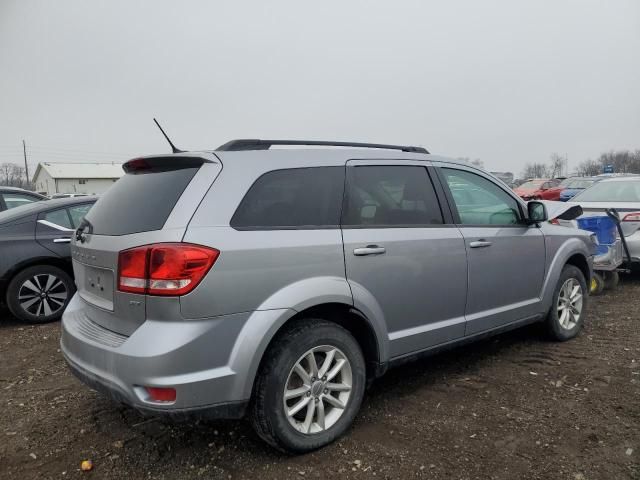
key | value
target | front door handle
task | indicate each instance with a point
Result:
(61, 240)
(369, 250)
(480, 244)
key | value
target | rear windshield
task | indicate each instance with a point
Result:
(139, 201)
(627, 191)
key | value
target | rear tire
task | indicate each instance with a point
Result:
(326, 402)
(39, 294)
(567, 314)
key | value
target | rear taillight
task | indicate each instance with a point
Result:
(632, 217)
(554, 221)
(167, 269)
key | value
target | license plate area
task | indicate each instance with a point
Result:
(95, 285)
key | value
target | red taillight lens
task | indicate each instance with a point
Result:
(554, 221)
(632, 217)
(132, 270)
(159, 394)
(164, 268)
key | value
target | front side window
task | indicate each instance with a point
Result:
(479, 201)
(387, 196)
(296, 198)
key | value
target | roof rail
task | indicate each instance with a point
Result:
(256, 144)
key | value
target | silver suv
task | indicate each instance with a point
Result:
(279, 282)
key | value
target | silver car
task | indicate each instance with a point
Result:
(278, 283)
(623, 194)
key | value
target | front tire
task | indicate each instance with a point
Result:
(309, 388)
(39, 294)
(566, 317)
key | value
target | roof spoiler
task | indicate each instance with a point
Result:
(163, 163)
(257, 144)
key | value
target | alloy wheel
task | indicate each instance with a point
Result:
(318, 389)
(42, 295)
(569, 304)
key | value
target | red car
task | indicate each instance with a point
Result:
(540, 189)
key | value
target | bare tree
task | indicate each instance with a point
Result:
(621, 161)
(589, 168)
(13, 175)
(5, 172)
(535, 170)
(557, 165)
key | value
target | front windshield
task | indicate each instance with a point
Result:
(627, 191)
(531, 185)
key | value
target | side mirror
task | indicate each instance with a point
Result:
(537, 212)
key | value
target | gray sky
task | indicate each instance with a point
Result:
(505, 81)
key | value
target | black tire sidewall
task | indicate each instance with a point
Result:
(291, 349)
(16, 282)
(553, 322)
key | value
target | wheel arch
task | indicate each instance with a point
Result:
(580, 261)
(264, 328)
(573, 252)
(58, 262)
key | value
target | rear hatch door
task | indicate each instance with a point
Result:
(153, 202)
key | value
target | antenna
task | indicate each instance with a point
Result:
(173, 147)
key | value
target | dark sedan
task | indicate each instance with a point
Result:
(36, 278)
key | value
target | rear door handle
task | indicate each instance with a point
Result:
(480, 244)
(369, 250)
(61, 240)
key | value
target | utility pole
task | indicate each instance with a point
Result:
(26, 167)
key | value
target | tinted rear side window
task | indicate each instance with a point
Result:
(386, 196)
(139, 202)
(300, 198)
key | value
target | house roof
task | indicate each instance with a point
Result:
(81, 170)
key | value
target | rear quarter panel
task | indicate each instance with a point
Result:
(18, 247)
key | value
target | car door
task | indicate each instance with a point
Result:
(506, 257)
(55, 227)
(406, 264)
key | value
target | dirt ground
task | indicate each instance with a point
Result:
(515, 406)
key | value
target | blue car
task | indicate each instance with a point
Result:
(575, 185)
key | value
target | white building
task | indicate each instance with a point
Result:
(91, 178)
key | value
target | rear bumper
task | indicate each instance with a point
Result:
(231, 410)
(633, 243)
(191, 356)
